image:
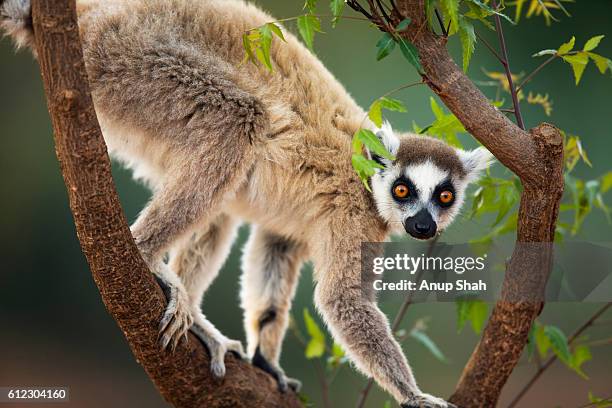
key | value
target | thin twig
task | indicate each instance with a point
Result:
(441, 22)
(490, 47)
(600, 342)
(535, 71)
(399, 316)
(382, 10)
(506, 64)
(506, 110)
(358, 8)
(553, 358)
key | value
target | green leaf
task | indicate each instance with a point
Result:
(558, 342)
(373, 143)
(308, 25)
(473, 310)
(364, 168)
(337, 350)
(578, 62)
(276, 30)
(411, 54)
(602, 63)
(248, 50)
(542, 341)
(422, 337)
(606, 182)
(375, 112)
(567, 47)
(478, 315)
(581, 355)
(337, 7)
(490, 10)
(265, 32)
(385, 46)
(544, 52)
(403, 25)
(592, 43)
(468, 39)
(451, 9)
(392, 104)
(435, 108)
(316, 345)
(310, 5)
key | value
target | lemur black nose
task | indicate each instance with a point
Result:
(421, 225)
(422, 228)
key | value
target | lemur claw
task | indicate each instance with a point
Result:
(426, 401)
(284, 382)
(177, 318)
(217, 345)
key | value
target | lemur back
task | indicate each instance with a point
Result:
(220, 141)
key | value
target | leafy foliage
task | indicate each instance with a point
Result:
(257, 43)
(551, 338)
(579, 59)
(308, 25)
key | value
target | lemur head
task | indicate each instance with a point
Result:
(423, 189)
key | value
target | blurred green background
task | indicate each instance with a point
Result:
(54, 329)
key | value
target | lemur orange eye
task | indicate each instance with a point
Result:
(446, 197)
(401, 191)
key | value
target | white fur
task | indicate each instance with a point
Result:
(475, 161)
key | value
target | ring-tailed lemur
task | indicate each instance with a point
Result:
(219, 141)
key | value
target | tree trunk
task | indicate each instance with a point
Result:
(127, 287)
(536, 157)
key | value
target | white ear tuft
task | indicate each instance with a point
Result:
(475, 161)
(388, 138)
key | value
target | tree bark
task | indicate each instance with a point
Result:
(536, 157)
(126, 286)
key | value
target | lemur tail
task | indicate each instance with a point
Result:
(16, 22)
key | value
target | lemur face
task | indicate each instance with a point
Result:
(423, 189)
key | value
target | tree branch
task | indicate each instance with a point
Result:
(126, 286)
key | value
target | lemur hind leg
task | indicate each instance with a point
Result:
(209, 137)
(197, 261)
(271, 266)
(190, 200)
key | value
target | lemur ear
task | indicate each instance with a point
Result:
(475, 161)
(389, 139)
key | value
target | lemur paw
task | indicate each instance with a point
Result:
(217, 344)
(426, 401)
(284, 383)
(177, 318)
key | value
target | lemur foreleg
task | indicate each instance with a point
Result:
(271, 266)
(357, 323)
